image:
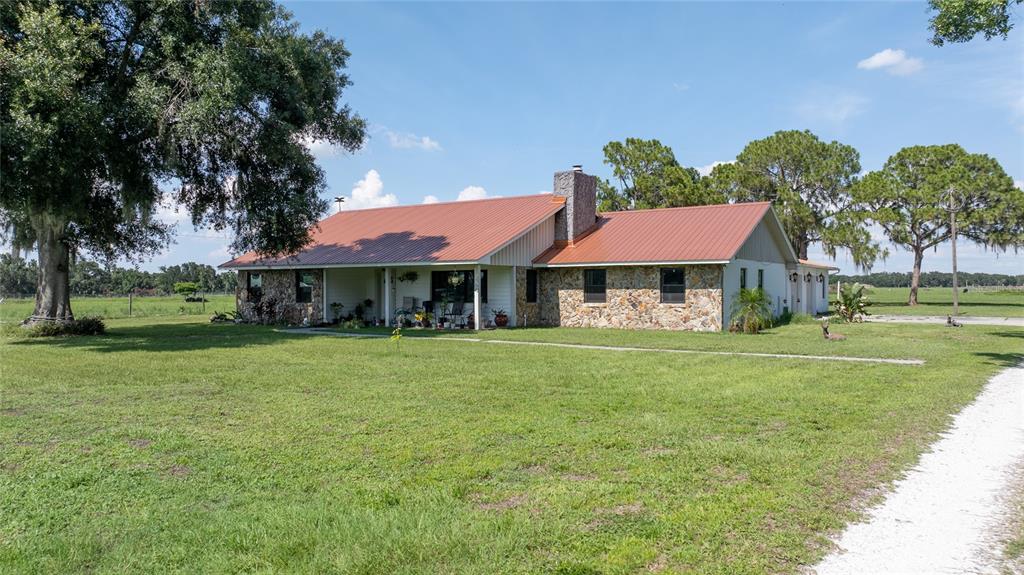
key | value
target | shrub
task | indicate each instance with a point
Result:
(186, 288)
(219, 317)
(752, 311)
(852, 302)
(81, 326)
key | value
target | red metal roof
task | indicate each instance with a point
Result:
(426, 233)
(693, 234)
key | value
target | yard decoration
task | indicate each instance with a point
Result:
(830, 336)
(950, 322)
(852, 302)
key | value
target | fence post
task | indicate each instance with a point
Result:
(129, 303)
(203, 297)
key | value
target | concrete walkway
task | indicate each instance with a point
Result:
(966, 320)
(950, 512)
(323, 331)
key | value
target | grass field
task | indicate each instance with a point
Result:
(178, 446)
(116, 307)
(939, 302)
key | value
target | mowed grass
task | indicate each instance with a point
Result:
(171, 445)
(990, 302)
(16, 310)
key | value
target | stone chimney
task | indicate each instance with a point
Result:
(580, 213)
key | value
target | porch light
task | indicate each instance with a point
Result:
(794, 276)
(821, 278)
(807, 277)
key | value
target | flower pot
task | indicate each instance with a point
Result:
(501, 320)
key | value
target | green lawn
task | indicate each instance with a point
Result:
(991, 302)
(171, 445)
(12, 310)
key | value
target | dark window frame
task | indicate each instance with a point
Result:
(743, 278)
(760, 279)
(304, 290)
(532, 282)
(255, 292)
(676, 292)
(591, 294)
(439, 292)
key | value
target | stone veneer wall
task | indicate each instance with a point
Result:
(633, 299)
(531, 311)
(279, 285)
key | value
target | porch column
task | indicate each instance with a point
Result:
(476, 296)
(515, 298)
(323, 308)
(387, 296)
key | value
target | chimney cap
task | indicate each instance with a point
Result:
(577, 167)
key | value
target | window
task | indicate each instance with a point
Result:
(594, 286)
(760, 279)
(824, 294)
(743, 278)
(673, 285)
(255, 286)
(531, 286)
(441, 287)
(304, 286)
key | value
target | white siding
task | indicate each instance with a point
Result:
(765, 244)
(350, 286)
(774, 283)
(499, 292)
(522, 251)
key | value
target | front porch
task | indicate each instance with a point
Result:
(466, 295)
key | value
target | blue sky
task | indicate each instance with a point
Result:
(491, 99)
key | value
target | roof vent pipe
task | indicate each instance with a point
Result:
(577, 168)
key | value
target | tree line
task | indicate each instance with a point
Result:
(933, 279)
(89, 278)
(820, 196)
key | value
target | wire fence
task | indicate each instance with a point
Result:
(20, 306)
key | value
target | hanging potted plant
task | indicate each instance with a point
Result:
(500, 318)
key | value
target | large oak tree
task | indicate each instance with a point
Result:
(109, 107)
(912, 196)
(808, 182)
(649, 176)
(962, 20)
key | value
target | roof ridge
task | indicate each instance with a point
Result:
(523, 196)
(680, 208)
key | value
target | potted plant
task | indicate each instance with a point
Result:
(423, 318)
(336, 308)
(500, 317)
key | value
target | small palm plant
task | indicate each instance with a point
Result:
(752, 311)
(852, 302)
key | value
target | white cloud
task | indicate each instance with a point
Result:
(892, 61)
(833, 109)
(472, 193)
(367, 193)
(680, 87)
(220, 255)
(430, 199)
(407, 141)
(705, 171)
(319, 148)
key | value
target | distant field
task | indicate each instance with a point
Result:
(113, 307)
(992, 302)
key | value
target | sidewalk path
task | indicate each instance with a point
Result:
(966, 320)
(946, 516)
(326, 331)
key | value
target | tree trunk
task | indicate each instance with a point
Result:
(801, 248)
(53, 286)
(915, 278)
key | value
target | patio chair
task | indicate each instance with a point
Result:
(456, 311)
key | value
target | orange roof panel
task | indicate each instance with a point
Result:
(427, 233)
(692, 234)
